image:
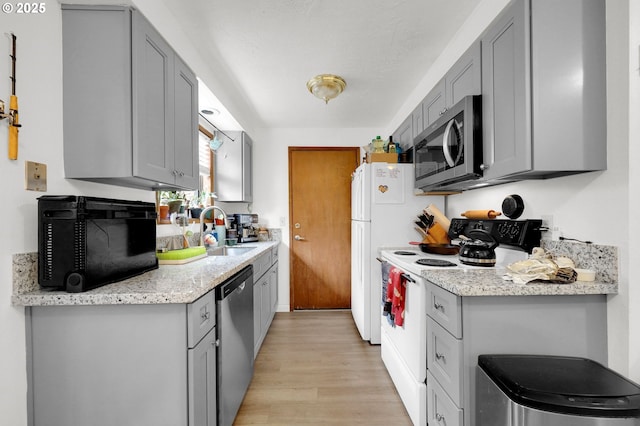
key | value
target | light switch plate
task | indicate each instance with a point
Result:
(35, 176)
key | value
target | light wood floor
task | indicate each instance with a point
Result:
(313, 368)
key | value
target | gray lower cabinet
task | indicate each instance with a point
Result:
(108, 365)
(129, 101)
(265, 296)
(544, 90)
(461, 328)
(233, 171)
(202, 383)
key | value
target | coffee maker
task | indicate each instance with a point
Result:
(246, 227)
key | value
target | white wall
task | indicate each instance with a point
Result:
(633, 117)
(271, 182)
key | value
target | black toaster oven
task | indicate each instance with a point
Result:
(87, 242)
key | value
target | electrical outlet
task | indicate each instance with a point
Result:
(35, 176)
(552, 232)
(547, 223)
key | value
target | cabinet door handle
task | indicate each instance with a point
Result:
(205, 315)
(439, 417)
(440, 357)
(438, 306)
(443, 111)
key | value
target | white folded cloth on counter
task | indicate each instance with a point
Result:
(541, 266)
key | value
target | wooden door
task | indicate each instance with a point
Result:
(320, 226)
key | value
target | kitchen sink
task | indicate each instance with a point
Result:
(228, 250)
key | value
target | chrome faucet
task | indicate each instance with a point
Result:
(204, 212)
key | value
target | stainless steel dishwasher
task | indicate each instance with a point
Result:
(234, 303)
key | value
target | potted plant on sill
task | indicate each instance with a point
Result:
(173, 199)
(198, 202)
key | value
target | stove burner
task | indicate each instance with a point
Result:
(405, 253)
(434, 262)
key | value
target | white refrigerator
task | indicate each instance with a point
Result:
(383, 211)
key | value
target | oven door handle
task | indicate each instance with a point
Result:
(408, 278)
(445, 147)
(403, 275)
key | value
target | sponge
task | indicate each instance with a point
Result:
(182, 255)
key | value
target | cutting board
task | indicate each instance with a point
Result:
(180, 261)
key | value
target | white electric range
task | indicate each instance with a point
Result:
(414, 260)
(404, 349)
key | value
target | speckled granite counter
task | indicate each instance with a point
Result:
(478, 282)
(167, 284)
(489, 282)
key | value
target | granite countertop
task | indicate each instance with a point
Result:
(480, 282)
(489, 281)
(167, 284)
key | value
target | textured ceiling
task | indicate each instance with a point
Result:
(268, 49)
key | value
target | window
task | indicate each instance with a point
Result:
(201, 197)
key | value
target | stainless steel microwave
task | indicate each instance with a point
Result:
(448, 153)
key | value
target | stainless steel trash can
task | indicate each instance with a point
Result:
(535, 390)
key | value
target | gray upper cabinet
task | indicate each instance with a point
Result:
(233, 171)
(417, 122)
(433, 106)
(404, 134)
(462, 79)
(130, 103)
(544, 90)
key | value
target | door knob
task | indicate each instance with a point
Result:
(298, 238)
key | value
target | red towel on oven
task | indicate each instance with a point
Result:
(395, 295)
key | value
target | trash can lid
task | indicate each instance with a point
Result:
(566, 385)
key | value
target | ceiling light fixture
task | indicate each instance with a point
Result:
(326, 86)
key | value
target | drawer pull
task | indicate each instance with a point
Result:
(205, 316)
(439, 417)
(438, 306)
(440, 357)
